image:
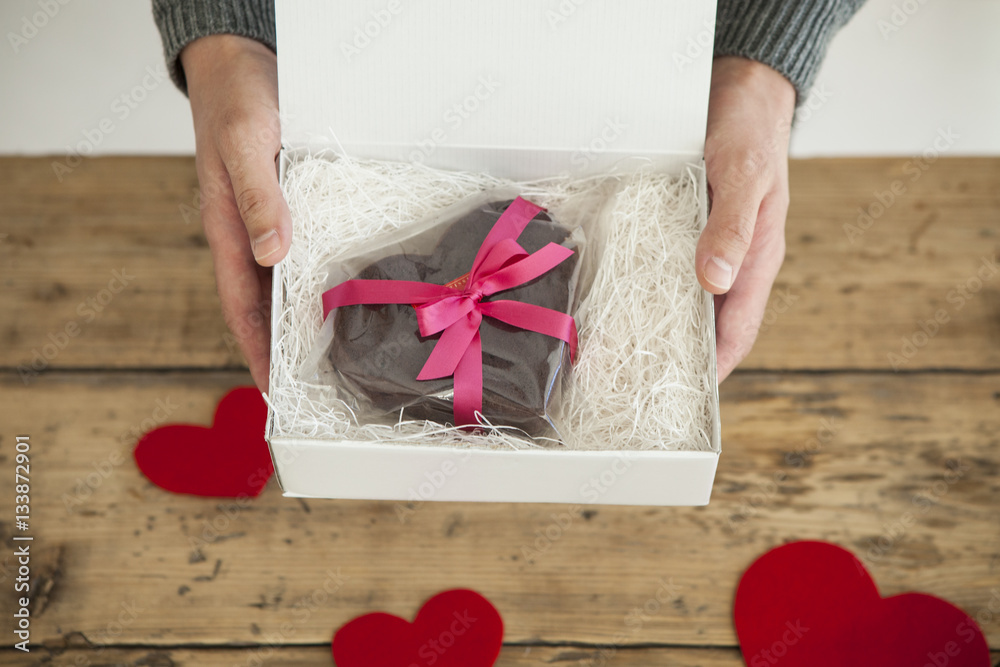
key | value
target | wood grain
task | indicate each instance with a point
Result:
(901, 470)
(837, 304)
(512, 656)
(858, 286)
(311, 656)
(65, 241)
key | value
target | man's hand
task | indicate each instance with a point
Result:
(746, 158)
(232, 83)
(233, 87)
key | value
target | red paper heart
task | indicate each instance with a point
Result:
(457, 628)
(813, 604)
(230, 459)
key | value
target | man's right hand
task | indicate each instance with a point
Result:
(233, 87)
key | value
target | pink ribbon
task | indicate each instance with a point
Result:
(456, 313)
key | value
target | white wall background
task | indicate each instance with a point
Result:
(882, 91)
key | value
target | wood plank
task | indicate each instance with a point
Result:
(846, 305)
(68, 241)
(511, 656)
(853, 288)
(904, 471)
(311, 656)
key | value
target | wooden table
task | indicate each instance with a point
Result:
(129, 574)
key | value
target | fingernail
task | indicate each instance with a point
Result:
(266, 244)
(719, 272)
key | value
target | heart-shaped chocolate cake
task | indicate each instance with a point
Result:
(378, 350)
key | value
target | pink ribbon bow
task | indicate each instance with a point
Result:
(456, 312)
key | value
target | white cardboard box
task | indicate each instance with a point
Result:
(520, 89)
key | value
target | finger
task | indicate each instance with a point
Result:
(739, 313)
(256, 344)
(243, 285)
(249, 159)
(245, 295)
(729, 231)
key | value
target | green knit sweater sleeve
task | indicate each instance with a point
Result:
(183, 21)
(789, 35)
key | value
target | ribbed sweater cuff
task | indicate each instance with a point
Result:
(792, 37)
(182, 21)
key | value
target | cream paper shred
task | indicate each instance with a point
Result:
(642, 376)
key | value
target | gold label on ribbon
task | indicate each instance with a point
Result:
(458, 283)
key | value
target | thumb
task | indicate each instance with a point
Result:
(726, 238)
(261, 205)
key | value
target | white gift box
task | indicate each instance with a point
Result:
(519, 89)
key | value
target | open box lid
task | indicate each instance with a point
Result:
(516, 88)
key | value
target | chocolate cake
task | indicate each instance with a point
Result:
(379, 351)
